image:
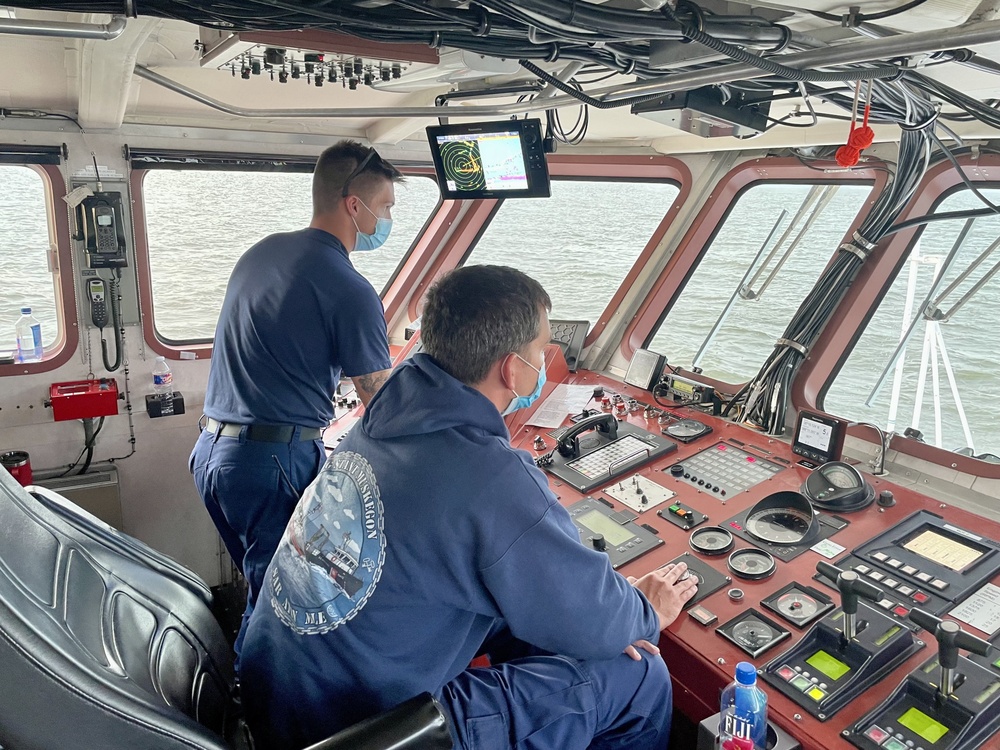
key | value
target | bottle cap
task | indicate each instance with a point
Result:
(746, 673)
(25, 311)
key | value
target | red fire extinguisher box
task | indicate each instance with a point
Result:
(84, 399)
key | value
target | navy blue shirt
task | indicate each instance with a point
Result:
(425, 531)
(296, 314)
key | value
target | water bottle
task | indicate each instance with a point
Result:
(163, 379)
(743, 718)
(29, 337)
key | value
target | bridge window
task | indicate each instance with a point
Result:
(580, 243)
(199, 223)
(945, 377)
(764, 258)
(28, 278)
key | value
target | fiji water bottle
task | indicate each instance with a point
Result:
(29, 337)
(743, 718)
(163, 379)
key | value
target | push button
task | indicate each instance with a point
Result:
(876, 734)
(939, 584)
(920, 597)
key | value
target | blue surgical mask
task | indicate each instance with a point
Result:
(364, 242)
(523, 402)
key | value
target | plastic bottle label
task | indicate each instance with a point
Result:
(163, 379)
(36, 335)
(737, 726)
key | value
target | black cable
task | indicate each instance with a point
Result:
(116, 324)
(743, 55)
(580, 95)
(862, 17)
(88, 447)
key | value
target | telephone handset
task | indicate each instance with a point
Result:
(569, 442)
(97, 292)
(100, 219)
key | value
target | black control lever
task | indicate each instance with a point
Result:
(569, 443)
(851, 587)
(950, 638)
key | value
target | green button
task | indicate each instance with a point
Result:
(894, 744)
(801, 683)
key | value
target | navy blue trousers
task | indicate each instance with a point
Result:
(549, 702)
(248, 498)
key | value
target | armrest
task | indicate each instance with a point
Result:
(418, 724)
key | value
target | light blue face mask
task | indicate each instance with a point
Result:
(364, 242)
(523, 402)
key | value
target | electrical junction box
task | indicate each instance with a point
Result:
(711, 112)
(84, 399)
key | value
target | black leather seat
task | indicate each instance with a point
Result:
(94, 528)
(106, 644)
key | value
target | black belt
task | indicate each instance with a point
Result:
(262, 433)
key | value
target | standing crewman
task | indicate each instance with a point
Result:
(296, 316)
(428, 539)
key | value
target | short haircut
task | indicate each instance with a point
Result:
(476, 315)
(337, 164)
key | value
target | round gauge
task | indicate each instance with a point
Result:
(797, 606)
(753, 634)
(779, 525)
(841, 477)
(711, 540)
(751, 564)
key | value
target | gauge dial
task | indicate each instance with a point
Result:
(796, 606)
(712, 540)
(751, 564)
(753, 634)
(779, 525)
(842, 477)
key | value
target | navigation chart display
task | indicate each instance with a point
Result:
(503, 159)
(491, 161)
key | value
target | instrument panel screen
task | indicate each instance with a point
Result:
(923, 725)
(815, 434)
(830, 666)
(601, 524)
(943, 550)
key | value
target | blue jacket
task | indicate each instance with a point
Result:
(424, 532)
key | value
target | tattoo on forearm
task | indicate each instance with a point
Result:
(371, 382)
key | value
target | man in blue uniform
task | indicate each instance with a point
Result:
(427, 539)
(295, 316)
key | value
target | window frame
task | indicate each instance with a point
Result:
(460, 227)
(66, 343)
(856, 310)
(696, 242)
(202, 348)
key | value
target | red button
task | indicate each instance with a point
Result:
(901, 611)
(920, 597)
(786, 673)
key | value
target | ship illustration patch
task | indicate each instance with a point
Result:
(331, 555)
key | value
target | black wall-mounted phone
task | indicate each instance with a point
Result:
(98, 296)
(100, 222)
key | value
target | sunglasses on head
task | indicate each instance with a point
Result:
(372, 154)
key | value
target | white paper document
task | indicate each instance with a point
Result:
(563, 401)
(981, 610)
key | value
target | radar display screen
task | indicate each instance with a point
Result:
(483, 161)
(943, 550)
(923, 725)
(503, 159)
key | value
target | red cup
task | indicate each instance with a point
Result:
(18, 463)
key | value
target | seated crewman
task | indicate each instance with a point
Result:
(426, 536)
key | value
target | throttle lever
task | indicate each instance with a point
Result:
(851, 586)
(950, 638)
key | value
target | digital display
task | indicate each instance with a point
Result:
(830, 666)
(601, 524)
(483, 161)
(943, 550)
(104, 220)
(815, 434)
(681, 387)
(923, 725)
